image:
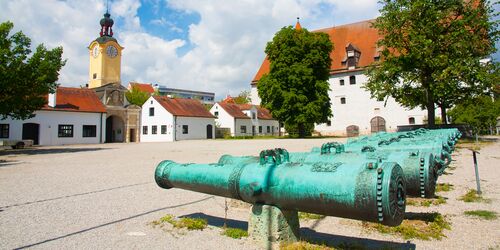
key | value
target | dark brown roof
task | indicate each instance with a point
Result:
(361, 35)
(233, 110)
(144, 87)
(77, 100)
(183, 107)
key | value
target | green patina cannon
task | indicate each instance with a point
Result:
(356, 188)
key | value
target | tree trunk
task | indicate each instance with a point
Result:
(302, 130)
(443, 114)
(430, 108)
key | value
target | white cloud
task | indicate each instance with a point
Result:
(228, 42)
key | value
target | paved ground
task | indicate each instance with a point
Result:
(104, 197)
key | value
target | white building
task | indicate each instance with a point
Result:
(174, 119)
(72, 116)
(244, 119)
(354, 112)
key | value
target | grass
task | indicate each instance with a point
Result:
(471, 144)
(186, 222)
(423, 202)
(234, 233)
(304, 245)
(309, 216)
(444, 187)
(483, 214)
(472, 196)
(424, 226)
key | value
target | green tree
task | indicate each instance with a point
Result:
(25, 81)
(479, 113)
(296, 88)
(431, 52)
(136, 96)
(243, 97)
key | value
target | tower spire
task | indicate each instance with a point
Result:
(297, 25)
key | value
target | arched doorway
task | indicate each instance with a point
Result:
(31, 131)
(378, 124)
(209, 131)
(352, 131)
(114, 129)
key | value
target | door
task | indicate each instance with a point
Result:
(352, 131)
(132, 135)
(31, 131)
(378, 124)
(209, 131)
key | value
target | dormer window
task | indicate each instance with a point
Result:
(353, 55)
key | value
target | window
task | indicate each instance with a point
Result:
(4, 130)
(163, 129)
(243, 129)
(411, 120)
(253, 116)
(352, 80)
(151, 101)
(329, 123)
(89, 131)
(154, 129)
(65, 131)
(268, 129)
(185, 129)
(151, 111)
(94, 76)
(260, 129)
(216, 113)
(342, 100)
(144, 130)
(341, 82)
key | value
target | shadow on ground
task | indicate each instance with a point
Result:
(39, 151)
(312, 236)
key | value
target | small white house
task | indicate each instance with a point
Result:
(72, 116)
(244, 119)
(173, 119)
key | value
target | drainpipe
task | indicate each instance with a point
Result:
(175, 128)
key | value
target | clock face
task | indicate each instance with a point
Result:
(95, 51)
(111, 51)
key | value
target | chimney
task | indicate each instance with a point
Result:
(52, 99)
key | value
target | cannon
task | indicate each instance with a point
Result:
(357, 188)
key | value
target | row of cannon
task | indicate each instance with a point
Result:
(367, 178)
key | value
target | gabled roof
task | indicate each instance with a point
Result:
(233, 110)
(236, 110)
(144, 87)
(76, 100)
(183, 107)
(359, 34)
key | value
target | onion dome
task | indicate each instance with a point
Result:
(106, 25)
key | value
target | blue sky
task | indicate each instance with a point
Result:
(206, 45)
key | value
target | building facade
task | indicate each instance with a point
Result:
(72, 116)
(354, 111)
(123, 119)
(165, 119)
(204, 97)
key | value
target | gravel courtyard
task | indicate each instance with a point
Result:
(104, 197)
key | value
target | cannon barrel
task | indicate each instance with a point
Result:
(354, 189)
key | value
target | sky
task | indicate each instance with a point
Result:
(205, 45)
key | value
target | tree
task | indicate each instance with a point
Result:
(25, 81)
(136, 96)
(431, 53)
(480, 113)
(243, 97)
(296, 88)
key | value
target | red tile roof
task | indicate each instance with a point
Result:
(77, 100)
(144, 87)
(183, 107)
(262, 113)
(233, 110)
(361, 35)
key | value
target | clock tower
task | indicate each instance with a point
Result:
(105, 56)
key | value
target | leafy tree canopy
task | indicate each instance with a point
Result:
(296, 88)
(431, 52)
(480, 113)
(243, 97)
(136, 96)
(25, 81)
